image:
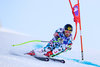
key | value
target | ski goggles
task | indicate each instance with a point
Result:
(67, 31)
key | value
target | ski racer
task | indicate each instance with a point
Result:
(61, 42)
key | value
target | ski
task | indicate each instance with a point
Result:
(47, 59)
(58, 60)
(42, 58)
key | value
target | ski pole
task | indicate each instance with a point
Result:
(31, 41)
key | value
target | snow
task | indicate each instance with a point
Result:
(14, 56)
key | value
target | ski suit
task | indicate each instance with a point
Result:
(58, 43)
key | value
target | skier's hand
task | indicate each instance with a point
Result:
(69, 47)
(60, 40)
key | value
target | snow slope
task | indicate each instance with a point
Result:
(14, 56)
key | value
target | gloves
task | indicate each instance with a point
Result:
(60, 40)
(69, 47)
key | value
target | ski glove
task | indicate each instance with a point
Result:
(60, 40)
(69, 48)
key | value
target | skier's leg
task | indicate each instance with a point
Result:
(45, 51)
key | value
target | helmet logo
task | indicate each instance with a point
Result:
(69, 28)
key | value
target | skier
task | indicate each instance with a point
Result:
(60, 42)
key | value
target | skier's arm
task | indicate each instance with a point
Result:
(69, 45)
(58, 33)
(57, 36)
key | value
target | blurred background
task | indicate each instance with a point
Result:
(40, 18)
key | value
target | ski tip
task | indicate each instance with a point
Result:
(47, 59)
(62, 61)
